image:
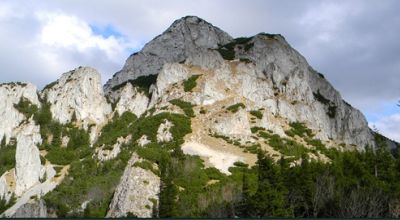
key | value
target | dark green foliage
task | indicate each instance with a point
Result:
(287, 147)
(246, 60)
(189, 84)
(234, 108)
(187, 107)
(77, 148)
(7, 157)
(268, 35)
(26, 107)
(227, 51)
(88, 180)
(257, 114)
(299, 129)
(142, 82)
(50, 85)
(147, 166)
(331, 112)
(4, 205)
(119, 127)
(256, 129)
(321, 98)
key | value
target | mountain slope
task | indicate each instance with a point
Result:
(197, 124)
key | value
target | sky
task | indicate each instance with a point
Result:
(354, 43)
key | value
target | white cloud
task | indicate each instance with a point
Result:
(62, 31)
(389, 126)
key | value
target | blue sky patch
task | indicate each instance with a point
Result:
(106, 31)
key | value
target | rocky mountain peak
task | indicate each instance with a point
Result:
(185, 38)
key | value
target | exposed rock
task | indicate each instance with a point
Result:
(108, 154)
(34, 209)
(185, 38)
(236, 125)
(5, 191)
(137, 192)
(11, 94)
(79, 94)
(130, 99)
(27, 157)
(64, 141)
(47, 172)
(218, 159)
(143, 141)
(37, 190)
(163, 132)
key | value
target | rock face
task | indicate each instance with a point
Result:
(130, 99)
(36, 209)
(163, 132)
(11, 94)
(137, 192)
(79, 94)
(27, 167)
(186, 38)
(264, 70)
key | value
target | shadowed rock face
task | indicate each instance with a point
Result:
(185, 38)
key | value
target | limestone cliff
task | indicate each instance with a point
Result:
(264, 71)
(186, 37)
(137, 193)
(78, 95)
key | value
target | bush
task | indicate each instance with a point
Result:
(298, 128)
(7, 158)
(143, 83)
(234, 108)
(257, 114)
(189, 84)
(187, 107)
(256, 129)
(26, 107)
(118, 127)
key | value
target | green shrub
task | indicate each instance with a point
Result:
(321, 98)
(257, 114)
(7, 158)
(234, 108)
(187, 107)
(26, 107)
(190, 83)
(118, 127)
(145, 164)
(143, 83)
(256, 129)
(298, 128)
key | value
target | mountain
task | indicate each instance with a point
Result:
(196, 124)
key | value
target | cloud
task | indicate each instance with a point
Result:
(389, 126)
(63, 31)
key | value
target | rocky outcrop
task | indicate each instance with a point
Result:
(163, 132)
(11, 94)
(142, 141)
(236, 125)
(188, 37)
(5, 191)
(137, 193)
(32, 209)
(132, 100)
(112, 152)
(78, 95)
(27, 157)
